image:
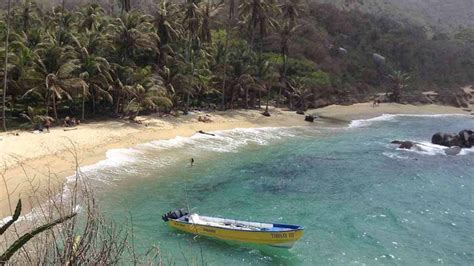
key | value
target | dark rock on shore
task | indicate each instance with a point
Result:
(464, 139)
(309, 118)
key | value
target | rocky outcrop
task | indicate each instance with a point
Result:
(464, 139)
(309, 118)
(406, 145)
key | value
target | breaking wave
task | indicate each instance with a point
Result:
(389, 117)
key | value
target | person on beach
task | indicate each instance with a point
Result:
(192, 162)
(67, 122)
(47, 124)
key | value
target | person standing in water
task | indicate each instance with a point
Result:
(192, 162)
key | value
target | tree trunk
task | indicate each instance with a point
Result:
(259, 99)
(117, 106)
(226, 50)
(93, 101)
(246, 98)
(225, 74)
(83, 106)
(186, 107)
(268, 101)
(47, 104)
(232, 99)
(283, 78)
(5, 77)
(54, 108)
(280, 92)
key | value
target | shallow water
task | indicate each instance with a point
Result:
(360, 199)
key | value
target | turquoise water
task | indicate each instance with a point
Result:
(360, 199)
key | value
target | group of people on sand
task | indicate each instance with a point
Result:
(43, 125)
(376, 102)
(71, 122)
(47, 123)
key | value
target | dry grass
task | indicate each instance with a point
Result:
(87, 238)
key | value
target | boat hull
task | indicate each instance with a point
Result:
(284, 239)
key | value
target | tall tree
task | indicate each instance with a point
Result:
(230, 21)
(5, 71)
(168, 29)
(399, 80)
(192, 24)
(54, 66)
(290, 12)
(257, 16)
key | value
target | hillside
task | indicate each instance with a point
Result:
(444, 15)
(105, 60)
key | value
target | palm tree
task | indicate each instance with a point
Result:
(290, 10)
(148, 99)
(121, 88)
(131, 34)
(55, 65)
(205, 27)
(148, 93)
(192, 23)
(230, 21)
(5, 71)
(94, 77)
(257, 15)
(299, 95)
(21, 63)
(90, 16)
(27, 14)
(399, 80)
(167, 28)
(126, 5)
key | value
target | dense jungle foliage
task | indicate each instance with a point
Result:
(116, 58)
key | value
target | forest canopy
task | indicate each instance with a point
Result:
(125, 58)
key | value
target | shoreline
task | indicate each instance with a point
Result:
(39, 161)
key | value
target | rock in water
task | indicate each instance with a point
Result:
(406, 145)
(464, 139)
(438, 139)
(471, 140)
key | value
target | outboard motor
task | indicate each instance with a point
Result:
(176, 214)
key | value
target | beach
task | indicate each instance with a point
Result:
(33, 163)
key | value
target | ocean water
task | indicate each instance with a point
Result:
(360, 199)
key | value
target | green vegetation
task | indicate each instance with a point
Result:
(116, 60)
(24, 239)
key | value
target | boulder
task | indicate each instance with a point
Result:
(438, 139)
(406, 145)
(464, 136)
(471, 140)
(309, 118)
(464, 139)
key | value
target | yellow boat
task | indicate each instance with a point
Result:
(277, 235)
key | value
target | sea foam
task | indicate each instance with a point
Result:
(389, 117)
